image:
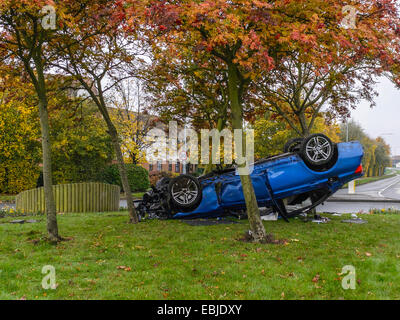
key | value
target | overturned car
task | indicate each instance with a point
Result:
(312, 168)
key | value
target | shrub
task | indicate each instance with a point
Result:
(385, 211)
(17, 175)
(154, 177)
(138, 177)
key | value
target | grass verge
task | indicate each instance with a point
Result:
(107, 258)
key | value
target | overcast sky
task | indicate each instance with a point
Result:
(384, 119)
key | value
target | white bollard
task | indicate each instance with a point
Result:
(352, 187)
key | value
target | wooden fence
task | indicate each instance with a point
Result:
(78, 197)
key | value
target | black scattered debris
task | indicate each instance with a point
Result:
(18, 222)
(318, 219)
(315, 219)
(23, 221)
(208, 222)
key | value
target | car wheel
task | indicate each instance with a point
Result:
(317, 150)
(293, 145)
(185, 192)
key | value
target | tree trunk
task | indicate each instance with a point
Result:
(112, 131)
(133, 218)
(220, 126)
(253, 212)
(40, 87)
(52, 227)
(134, 158)
(303, 123)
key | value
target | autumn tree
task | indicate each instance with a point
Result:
(382, 156)
(186, 90)
(95, 53)
(271, 132)
(20, 151)
(353, 46)
(81, 146)
(26, 32)
(376, 151)
(130, 115)
(189, 91)
(227, 31)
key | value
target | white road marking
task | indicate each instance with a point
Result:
(389, 186)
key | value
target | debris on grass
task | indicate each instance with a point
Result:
(355, 221)
(270, 217)
(316, 278)
(321, 220)
(124, 268)
(23, 221)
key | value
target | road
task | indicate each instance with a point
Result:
(382, 194)
(383, 189)
(355, 207)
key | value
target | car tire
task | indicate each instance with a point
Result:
(293, 145)
(317, 150)
(185, 193)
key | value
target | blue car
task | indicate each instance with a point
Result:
(310, 168)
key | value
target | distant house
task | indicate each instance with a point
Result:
(170, 167)
(145, 122)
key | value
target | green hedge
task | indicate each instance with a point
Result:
(138, 177)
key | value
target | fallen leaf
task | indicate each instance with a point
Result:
(124, 268)
(316, 278)
(368, 254)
